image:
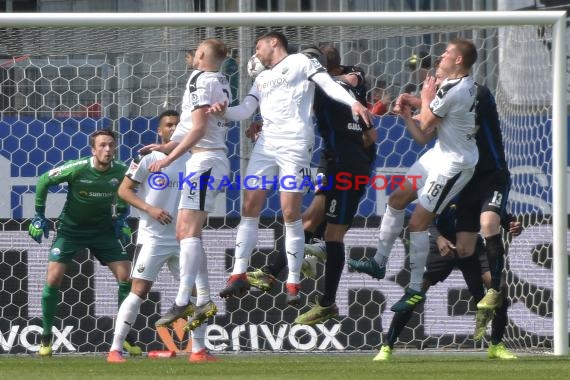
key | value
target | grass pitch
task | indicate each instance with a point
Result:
(274, 366)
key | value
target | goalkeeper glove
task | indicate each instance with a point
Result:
(122, 230)
(38, 227)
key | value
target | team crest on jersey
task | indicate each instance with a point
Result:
(114, 182)
(55, 251)
(194, 99)
(140, 268)
(315, 63)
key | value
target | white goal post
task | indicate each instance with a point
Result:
(465, 20)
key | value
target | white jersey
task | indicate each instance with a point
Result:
(203, 89)
(159, 191)
(454, 103)
(285, 96)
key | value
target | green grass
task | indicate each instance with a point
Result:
(272, 366)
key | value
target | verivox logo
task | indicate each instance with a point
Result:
(177, 332)
(60, 338)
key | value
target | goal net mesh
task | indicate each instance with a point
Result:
(58, 85)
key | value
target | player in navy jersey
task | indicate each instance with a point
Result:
(486, 193)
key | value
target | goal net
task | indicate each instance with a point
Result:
(58, 85)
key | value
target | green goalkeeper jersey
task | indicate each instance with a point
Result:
(90, 196)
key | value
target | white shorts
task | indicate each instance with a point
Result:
(279, 164)
(206, 175)
(437, 181)
(149, 259)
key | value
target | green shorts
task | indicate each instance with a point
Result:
(102, 244)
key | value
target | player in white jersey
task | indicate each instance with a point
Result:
(282, 153)
(156, 198)
(439, 174)
(205, 136)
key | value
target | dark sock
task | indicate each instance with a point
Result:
(471, 269)
(278, 263)
(495, 254)
(333, 271)
(309, 237)
(50, 297)
(123, 291)
(399, 321)
(499, 323)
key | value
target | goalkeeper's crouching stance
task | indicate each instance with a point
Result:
(442, 259)
(86, 221)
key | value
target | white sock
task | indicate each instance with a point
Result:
(199, 338)
(125, 319)
(294, 249)
(419, 248)
(191, 255)
(203, 283)
(246, 240)
(390, 228)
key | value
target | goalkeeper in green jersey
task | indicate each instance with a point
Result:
(86, 221)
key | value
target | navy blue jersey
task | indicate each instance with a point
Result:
(341, 134)
(489, 137)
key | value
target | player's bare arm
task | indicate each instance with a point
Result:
(428, 120)
(369, 137)
(405, 103)
(164, 148)
(127, 191)
(199, 125)
(218, 108)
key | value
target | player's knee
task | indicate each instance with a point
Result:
(490, 224)
(463, 251)
(400, 199)
(140, 287)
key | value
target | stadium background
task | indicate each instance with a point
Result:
(33, 144)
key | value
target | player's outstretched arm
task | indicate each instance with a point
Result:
(164, 148)
(336, 92)
(39, 227)
(199, 128)
(235, 113)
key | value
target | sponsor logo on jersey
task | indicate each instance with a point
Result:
(194, 99)
(96, 194)
(353, 127)
(140, 268)
(284, 70)
(272, 83)
(85, 181)
(133, 166)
